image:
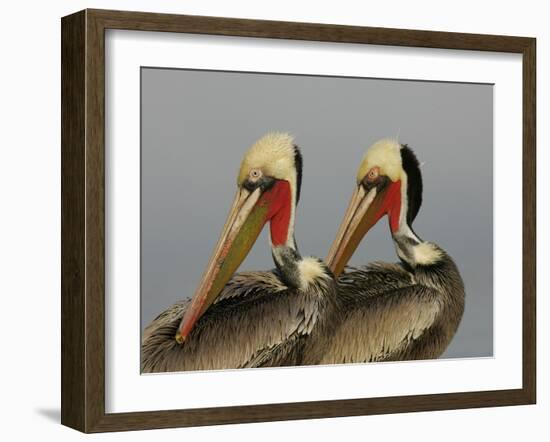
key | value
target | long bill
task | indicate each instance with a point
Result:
(363, 212)
(244, 223)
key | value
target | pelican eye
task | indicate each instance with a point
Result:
(374, 178)
(373, 174)
(255, 174)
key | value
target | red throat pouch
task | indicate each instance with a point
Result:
(279, 202)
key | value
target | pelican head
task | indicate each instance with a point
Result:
(268, 188)
(389, 183)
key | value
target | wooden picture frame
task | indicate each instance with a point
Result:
(83, 219)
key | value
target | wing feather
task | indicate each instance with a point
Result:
(256, 321)
(384, 310)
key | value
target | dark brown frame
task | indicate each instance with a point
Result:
(83, 215)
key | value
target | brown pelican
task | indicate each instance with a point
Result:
(403, 311)
(251, 319)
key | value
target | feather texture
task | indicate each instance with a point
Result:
(391, 312)
(257, 321)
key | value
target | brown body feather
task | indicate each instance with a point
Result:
(392, 312)
(256, 322)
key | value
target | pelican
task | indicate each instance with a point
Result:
(251, 319)
(392, 312)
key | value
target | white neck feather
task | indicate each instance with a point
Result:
(409, 247)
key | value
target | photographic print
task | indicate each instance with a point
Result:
(292, 220)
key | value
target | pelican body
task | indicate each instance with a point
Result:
(251, 319)
(404, 311)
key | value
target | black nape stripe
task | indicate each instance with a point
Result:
(411, 167)
(298, 164)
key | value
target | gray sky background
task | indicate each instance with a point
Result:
(196, 126)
